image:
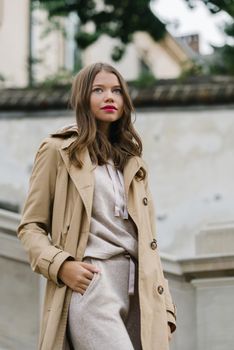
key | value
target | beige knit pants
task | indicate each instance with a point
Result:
(106, 317)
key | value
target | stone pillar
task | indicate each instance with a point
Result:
(183, 294)
(19, 290)
(214, 313)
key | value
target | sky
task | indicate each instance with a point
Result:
(186, 21)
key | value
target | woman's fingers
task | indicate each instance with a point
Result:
(79, 290)
(82, 287)
(77, 275)
(90, 267)
(85, 282)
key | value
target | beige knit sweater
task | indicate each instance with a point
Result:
(112, 231)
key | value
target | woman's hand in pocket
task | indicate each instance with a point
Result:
(169, 333)
(77, 275)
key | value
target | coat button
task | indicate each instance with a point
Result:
(160, 290)
(154, 244)
(145, 201)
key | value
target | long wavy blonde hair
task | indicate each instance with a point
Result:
(123, 141)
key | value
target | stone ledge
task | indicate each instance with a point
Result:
(213, 282)
(207, 90)
(203, 266)
(9, 221)
(11, 248)
(212, 265)
(200, 266)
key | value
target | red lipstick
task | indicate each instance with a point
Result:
(109, 108)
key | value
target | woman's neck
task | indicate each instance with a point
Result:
(104, 128)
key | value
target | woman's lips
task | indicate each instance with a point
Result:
(109, 108)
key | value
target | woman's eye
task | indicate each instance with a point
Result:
(97, 90)
(117, 91)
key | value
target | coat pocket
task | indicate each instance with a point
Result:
(63, 236)
(93, 281)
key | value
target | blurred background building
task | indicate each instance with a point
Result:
(44, 50)
(185, 114)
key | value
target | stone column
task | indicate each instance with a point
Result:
(214, 313)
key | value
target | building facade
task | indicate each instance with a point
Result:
(35, 49)
(14, 42)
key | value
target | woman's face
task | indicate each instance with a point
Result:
(106, 100)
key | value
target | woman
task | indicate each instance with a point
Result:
(88, 227)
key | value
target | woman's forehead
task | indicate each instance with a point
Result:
(106, 78)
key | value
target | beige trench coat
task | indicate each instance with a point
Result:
(55, 226)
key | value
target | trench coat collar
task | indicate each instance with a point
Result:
(83, 178)
(131, 168)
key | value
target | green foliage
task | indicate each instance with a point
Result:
(122, 18)
(145, 80)
(223, 61)
(118, 52)
(61, 78)
(223, 58)
(215, 6)
(116, 18)
(194, 69)
(85, 39)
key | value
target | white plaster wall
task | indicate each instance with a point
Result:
(49, 49)
(190, 156)
(101, 51)
(19, 141)
(14, 25)
(190, 153)
(159, 56)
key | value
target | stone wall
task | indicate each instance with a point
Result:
(190, 156)
(19, 291)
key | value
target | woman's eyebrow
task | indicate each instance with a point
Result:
(102, 85)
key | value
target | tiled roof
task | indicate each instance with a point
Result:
(193, 91)
(34, 98)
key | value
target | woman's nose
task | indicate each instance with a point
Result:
(109, 95)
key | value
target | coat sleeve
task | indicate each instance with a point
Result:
(170, 306)
(35, 225)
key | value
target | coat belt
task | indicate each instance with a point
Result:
(132, 272)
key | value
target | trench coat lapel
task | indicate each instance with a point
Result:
(83, 178)
(130, 170)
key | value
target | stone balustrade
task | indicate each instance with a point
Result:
(202, 287)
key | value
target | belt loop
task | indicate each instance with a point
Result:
(131, 280)
(131, 276)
